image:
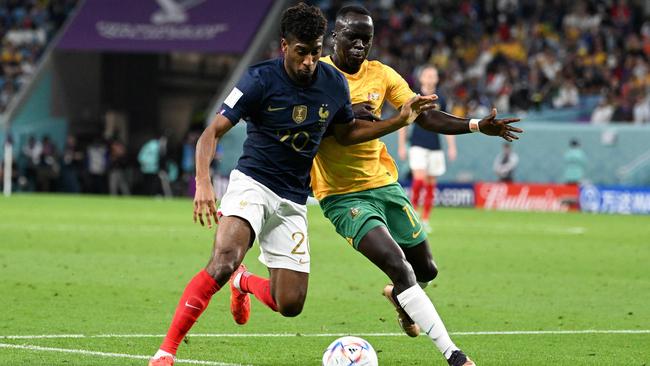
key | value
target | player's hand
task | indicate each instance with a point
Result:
(204, 203)
(499, 127)
(364, 111)
(416, 105)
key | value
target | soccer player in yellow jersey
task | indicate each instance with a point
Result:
(358, 190)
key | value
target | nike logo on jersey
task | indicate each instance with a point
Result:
(415, 234)
(302, 261)
(271, 109)
(191, 306)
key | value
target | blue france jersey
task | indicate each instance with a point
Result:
(286, 123)
(425, 138)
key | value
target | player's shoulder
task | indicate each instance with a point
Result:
(378, 66)
(332, 73)
(266, 64)
(389, 76)
(265, 68)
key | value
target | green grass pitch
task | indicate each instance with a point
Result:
(110, 271)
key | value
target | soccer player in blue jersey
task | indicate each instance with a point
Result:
(288, 103)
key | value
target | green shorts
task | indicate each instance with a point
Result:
(354, 214)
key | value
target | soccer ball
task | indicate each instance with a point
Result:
(350, 351)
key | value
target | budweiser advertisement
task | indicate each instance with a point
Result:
(527, 197)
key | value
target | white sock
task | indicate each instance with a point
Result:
(237, 281)
(162, 353)
(419, 307)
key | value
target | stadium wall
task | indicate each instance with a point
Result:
(541, 149)
(35, 117)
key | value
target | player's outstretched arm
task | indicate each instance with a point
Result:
(204, 199)
(449, 124)
(361, 130)
(492, 126)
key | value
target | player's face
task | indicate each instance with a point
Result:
(301, 58)
(429, 77)
(352, 41)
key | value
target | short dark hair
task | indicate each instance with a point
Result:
(352, 9)
(305, 23)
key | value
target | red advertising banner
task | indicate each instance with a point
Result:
(527, 196)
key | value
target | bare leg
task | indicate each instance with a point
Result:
(289, 289)
(422, 262)
(233, 238)
(380, 248)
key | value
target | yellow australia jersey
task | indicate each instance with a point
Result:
(341, 169)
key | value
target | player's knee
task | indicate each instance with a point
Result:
(428, 273)
(220, 271)
(399, 271)
(290, 309)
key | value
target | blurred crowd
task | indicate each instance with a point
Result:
(105, 165)
(521, 55)
(26, 26)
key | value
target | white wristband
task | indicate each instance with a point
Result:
(473, 125)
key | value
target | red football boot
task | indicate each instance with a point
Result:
(240, 302)
(162, 361)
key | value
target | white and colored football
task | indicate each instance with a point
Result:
(350, 351)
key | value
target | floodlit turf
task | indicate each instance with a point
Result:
(99, 266)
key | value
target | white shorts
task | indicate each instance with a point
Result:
(280, 225)
(431, 161)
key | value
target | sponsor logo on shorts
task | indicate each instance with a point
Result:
(243, 204)
(354, 212)
(415, 234)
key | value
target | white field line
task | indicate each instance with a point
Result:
(29, 347)
(105, 354)
(287, 335)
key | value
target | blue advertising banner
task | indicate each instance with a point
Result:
(210, 26)
(617, 200)
(454, 195)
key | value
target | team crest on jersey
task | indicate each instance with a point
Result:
(299, 113)
(243, 203)
(354, 212)
(373, 96)
(323, 113)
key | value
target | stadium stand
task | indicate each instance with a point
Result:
(524, 57)
(521, 56)
(27, 27)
